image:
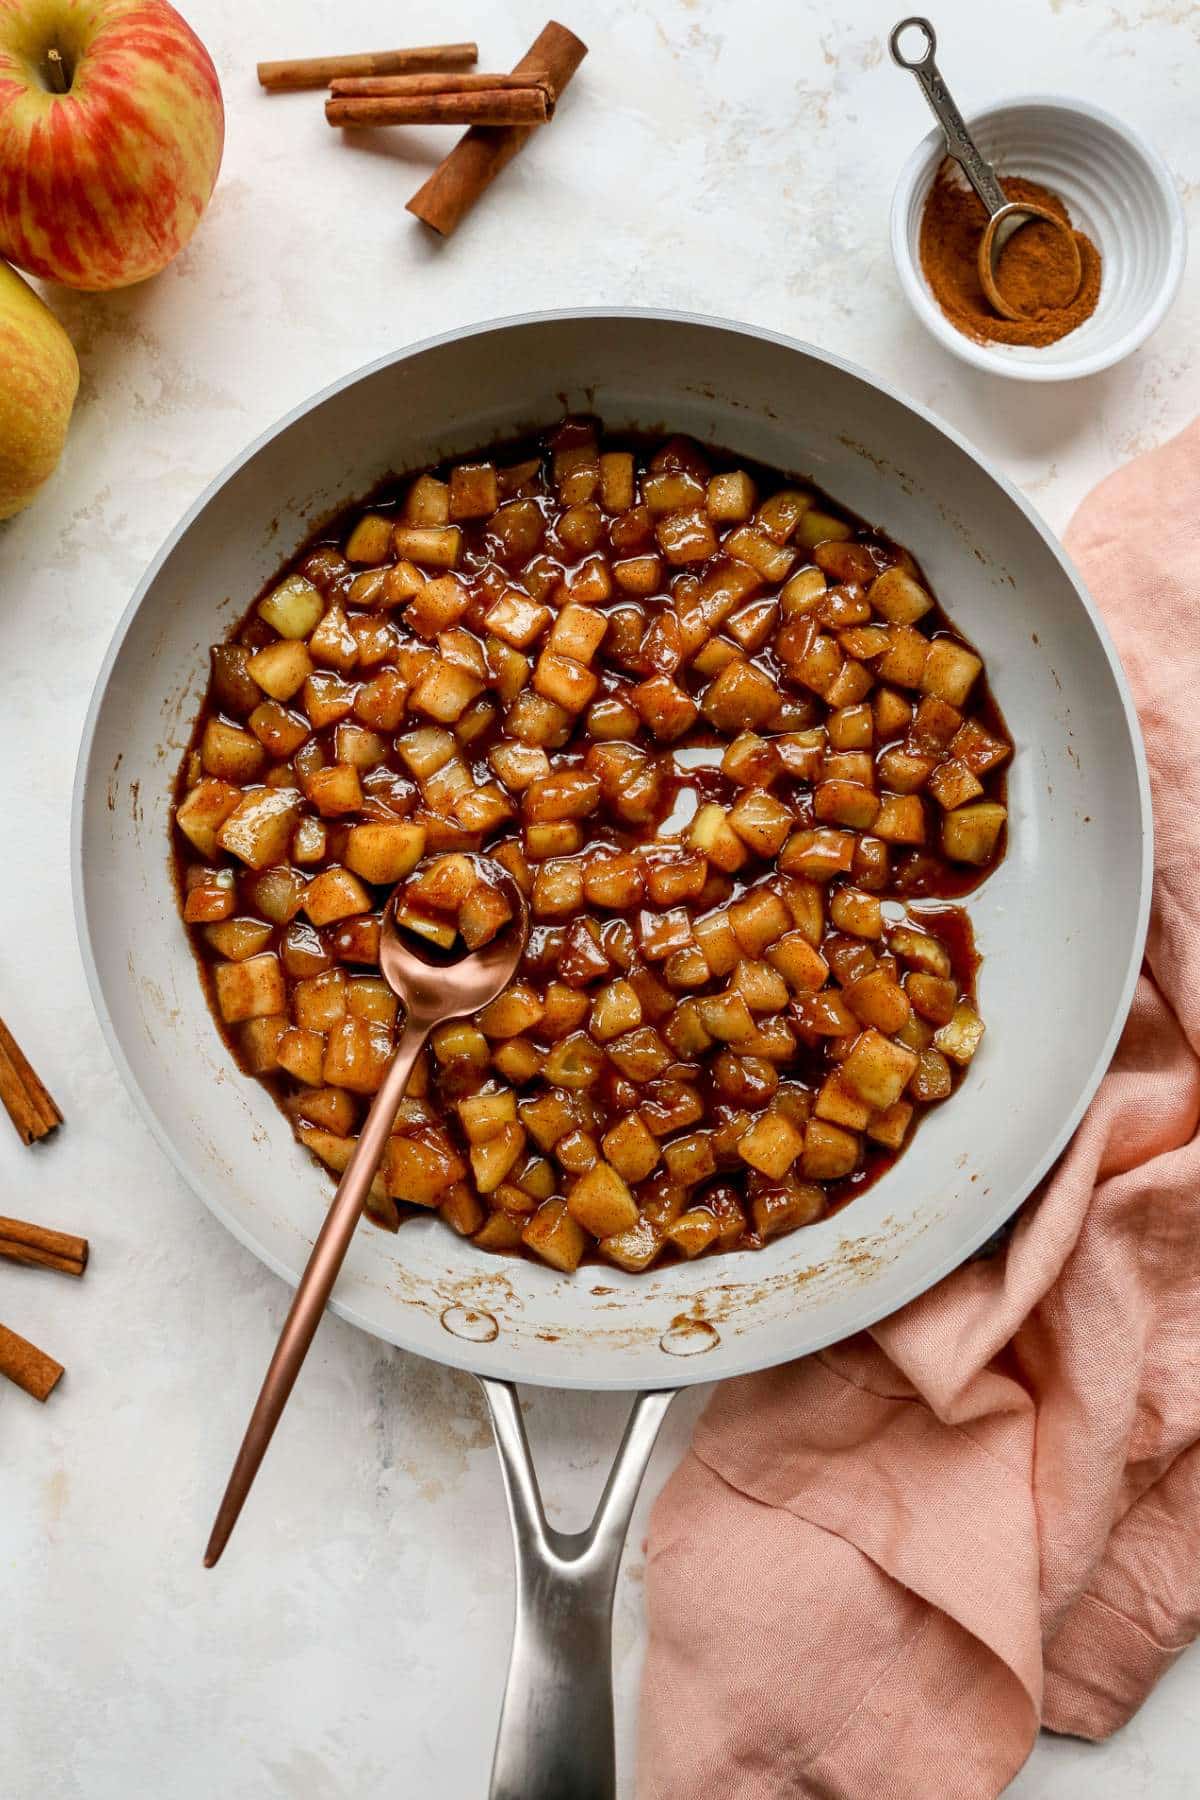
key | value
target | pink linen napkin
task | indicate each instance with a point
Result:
(879, 1570)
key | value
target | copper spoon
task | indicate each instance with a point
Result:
(1005, 216)
(430, 994)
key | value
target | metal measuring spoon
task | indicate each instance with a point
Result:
(431, 994)
(1005, 216)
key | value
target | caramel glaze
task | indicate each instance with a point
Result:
(921, 876)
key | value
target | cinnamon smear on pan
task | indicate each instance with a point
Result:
(1033, 270)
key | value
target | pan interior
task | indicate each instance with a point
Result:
(1061, 923)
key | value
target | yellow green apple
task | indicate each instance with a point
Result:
(111, 131)
(39, 377)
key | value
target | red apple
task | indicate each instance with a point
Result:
(103, 183)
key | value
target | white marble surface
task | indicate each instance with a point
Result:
(715, 155)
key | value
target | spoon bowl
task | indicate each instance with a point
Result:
(1002, 227)
(437, 991)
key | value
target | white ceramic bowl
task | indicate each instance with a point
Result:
(1061, 922)
(1117, 189)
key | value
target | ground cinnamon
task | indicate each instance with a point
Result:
(1032, 271)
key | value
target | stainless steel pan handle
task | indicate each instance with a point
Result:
(556, 1725)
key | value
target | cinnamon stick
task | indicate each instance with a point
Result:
(294, 73)
(488, 106)
(479, 156)
(37, 1244)
(22, 1093)
(28, 1366)
(471, 83)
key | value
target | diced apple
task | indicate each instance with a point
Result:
(878, 1069)
(250, 989)
(293, 607)
(636, 1249)
(435, 546)
(961, 1038)
(335, 894)
(201, 813)
(229, 753)
(898, 598)
(711, 831)
(555, 1236)
(601, 1202)
(384, 854)
(830, 1152)
(281, 668)
(949, 671)
(419, 1171)
(371, 540)
(771, 1145)
(335, 790)
(494, 1157)
(259, 829)
(970, 833)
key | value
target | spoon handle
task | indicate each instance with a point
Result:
(316, 1284)
(959, 142)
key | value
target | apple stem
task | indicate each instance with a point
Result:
(58, 71)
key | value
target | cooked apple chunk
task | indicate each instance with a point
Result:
(962, 1036)
(876, 998)
(949, 671)
(236, 939)
(427, 502)
(293, 608)
(201, 813)
(567, 683)
(636, 1249)
(282, 668)
(712, 832)
(251, 989)
(555, 1236)
(384, 854)
(446, 691)
(730, 498)
(830, 1152)
(420, 1169)
(493, 1158)
(772, 1144)
(840, 1104)
(970, 833)
(631, 1149)
(474, 490)
(259, 829)
(335, 790)
(483, 914)
(601, 1202)
(335, 894)
(878, 1069)
(434, 546)
(517, 1010)
(761, 821)
(898, 598)
(229, 753)
(371, 540)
